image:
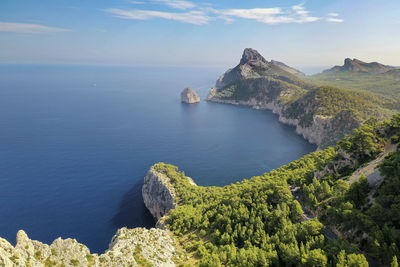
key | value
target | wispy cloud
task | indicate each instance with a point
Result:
(135, 2)
(192, 17)
(178, 4)
(201, 14)
(16, 27)
(334, 17)
(276, 15)
(334, 20)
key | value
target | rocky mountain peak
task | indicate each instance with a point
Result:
(355, 65)
(347, 62)
(250, 54)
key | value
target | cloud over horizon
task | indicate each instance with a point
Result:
(199, 15)
(16, 27)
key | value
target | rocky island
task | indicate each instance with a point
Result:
(188, 95)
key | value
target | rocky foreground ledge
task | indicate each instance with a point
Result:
(129, 247)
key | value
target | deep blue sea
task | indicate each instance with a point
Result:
(76, 142)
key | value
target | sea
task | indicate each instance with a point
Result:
(76, 142)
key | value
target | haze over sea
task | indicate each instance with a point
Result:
(76, 142)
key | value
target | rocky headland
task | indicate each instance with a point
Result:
(322, 115)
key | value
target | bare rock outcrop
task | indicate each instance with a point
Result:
(129, 247)
(158, 193)
(189, 96)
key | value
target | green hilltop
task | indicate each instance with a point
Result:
(381, 79)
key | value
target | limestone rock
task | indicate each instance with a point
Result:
(189, 96)
(158, 194)
(128, 246)
(211, 93)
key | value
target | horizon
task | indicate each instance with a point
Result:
(305, 34)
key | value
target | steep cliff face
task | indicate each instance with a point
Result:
(319, 132)
(158, 193)
(129, 247)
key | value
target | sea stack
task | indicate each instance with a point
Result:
(189, 96)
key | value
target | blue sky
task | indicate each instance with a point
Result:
(204, 33)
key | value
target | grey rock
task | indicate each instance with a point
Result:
(189, 96)
(158, 193)
(126, 245)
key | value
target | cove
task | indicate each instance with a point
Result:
(76, 142)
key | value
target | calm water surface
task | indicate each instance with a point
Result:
(76, 142)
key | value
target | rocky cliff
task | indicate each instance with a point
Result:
(188, 95)
(129, 247)
(159, 194)
(321, 114)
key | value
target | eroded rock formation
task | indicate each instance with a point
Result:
(189, 96)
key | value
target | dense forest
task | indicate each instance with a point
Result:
(258, 222)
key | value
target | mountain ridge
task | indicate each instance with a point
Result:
(358, 66)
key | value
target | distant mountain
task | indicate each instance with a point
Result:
(322, 114)
(358, 66)
(374, 77)
(287, 68)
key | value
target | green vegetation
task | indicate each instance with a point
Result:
(255, 222)
(330, 101)
(385, 84)
(265, 89)
(140, 259)
(370, 224)
(258, 222)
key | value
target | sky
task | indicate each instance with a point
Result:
(198, 33)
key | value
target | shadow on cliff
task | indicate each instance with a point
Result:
(132, 211)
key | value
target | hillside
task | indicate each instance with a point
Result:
(287, 68)
(321, 114)
(372, 77)
(258, 222)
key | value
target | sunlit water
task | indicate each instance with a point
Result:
(76, 142)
